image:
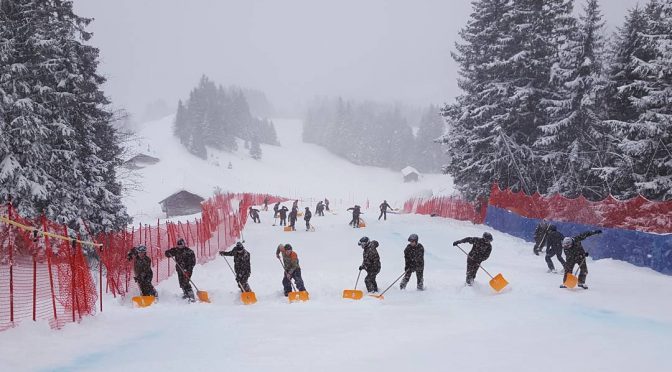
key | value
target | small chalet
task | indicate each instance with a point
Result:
(410, 174)
(140, 161)
(181, 203)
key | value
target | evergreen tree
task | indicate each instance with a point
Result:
(574, 143)
(255, 149)
(429, 154)
(59, 149)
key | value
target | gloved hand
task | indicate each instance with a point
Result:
(135, 278)
(167, 254)
(221, 253)
(587, 254)
(536, 252)
(455, 243)
(598, 231)
(361, 268)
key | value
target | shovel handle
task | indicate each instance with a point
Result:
(286, 273)
(479, 265)
(393, 283)
(234, 274)
(183, 273)
(357, 281)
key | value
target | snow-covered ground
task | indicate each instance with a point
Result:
(622, 323)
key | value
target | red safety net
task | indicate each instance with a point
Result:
(49, 278)
(448, 207)
(634, 214)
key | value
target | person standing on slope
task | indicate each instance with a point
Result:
(480, 251)
(275, 209)
(326, 204)
(290, 261)
(142, 268)
(283, 215)
(241, 265)
(554, 247)
(293, 216)
(186, 260)
(319, 208)
(370, 263)
(306, 217)
(576, 255)
(356, 212)
(383, 210)
(414, 255)
(266, 203)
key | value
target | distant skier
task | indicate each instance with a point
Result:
(576, 255)
(554, 247)
(307, 215)
(275, 209)
(383, 210)
(283, 215)
(414, 255)
(356, 212)
(319, 209)
(290, 261)
(540, 236)
(266, 203)
(326, 204)
(254, 214)
(293, 216)
(142, 268)
(370, 263)
(186, 260)
(241, 265)
(480, 251)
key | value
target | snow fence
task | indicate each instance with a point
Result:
(46, 274)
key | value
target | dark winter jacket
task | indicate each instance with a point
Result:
(184, 257)
(415, 257)
(541, 232)
(276, 207)
(293, 214)
(554, 242)
(254, 213)
(480, 250)
(241, 261)
(384, 206)
(576, 251)
(283, 212)
(142, 267)
(356, 211)
(371, 261)
(308, 215)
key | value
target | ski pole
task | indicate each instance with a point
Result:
(234, 274)
(479, 265)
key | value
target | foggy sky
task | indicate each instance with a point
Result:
(394, 50)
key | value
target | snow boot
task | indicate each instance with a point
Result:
(563, 286)
(552, 271)
(584, 286)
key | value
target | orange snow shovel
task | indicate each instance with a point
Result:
(202, 295)
(294, 295)
(572, 280)
(143, 301)
(362, 223)
(354, 294)
(247, 298)
(380, 296)
(287, 228)
(497, 282)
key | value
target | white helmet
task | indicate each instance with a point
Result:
(567, 242)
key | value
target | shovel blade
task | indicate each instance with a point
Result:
(362, 223)
(248, 298)
(353, 294)
(287, 228)
(202, 296)
(380, 297)
(571, 281)
(143, 301)
(498, 283)
(298, 296)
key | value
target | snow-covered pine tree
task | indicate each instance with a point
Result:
(574, 144)
(505, 62)
(57, 94)
(255, 149)
(639, 103)
(647, 137)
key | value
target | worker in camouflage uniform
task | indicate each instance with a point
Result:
(480, 251)
(370, 263)
(576, 255)
(307, 215)
(142, 268)
(185, 260)
(414, 255)
(554, 247)
(241, 265)
(254, 214)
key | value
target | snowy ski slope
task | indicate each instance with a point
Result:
(622, 323)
